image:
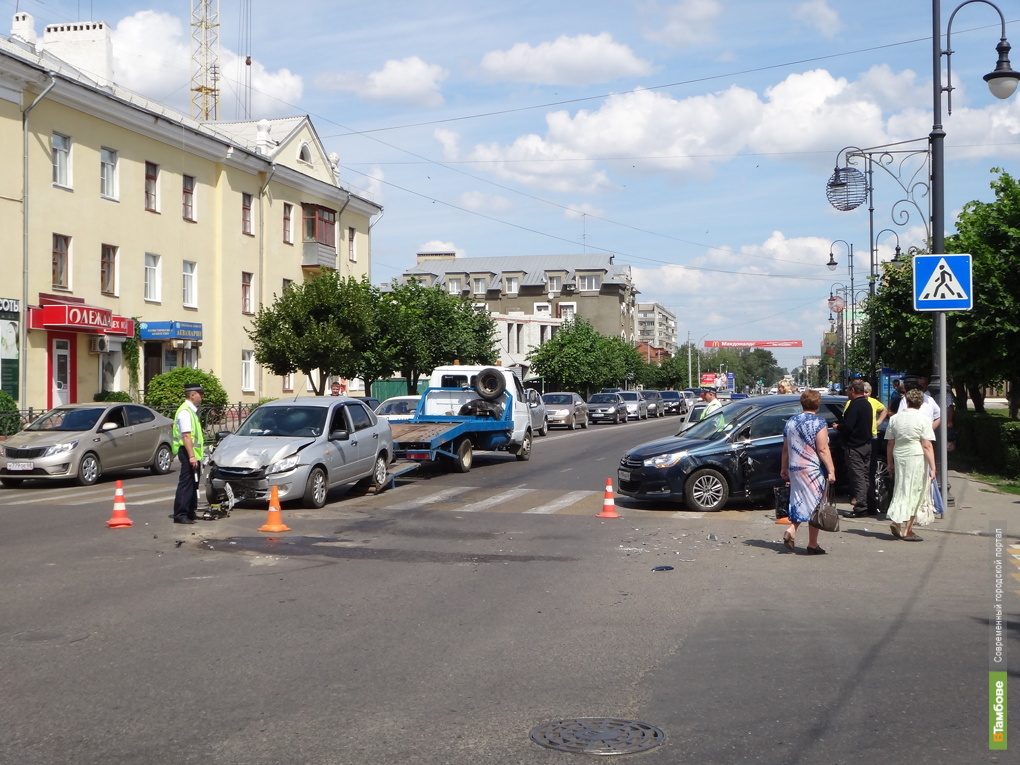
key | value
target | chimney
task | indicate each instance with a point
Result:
(430, 257)
(23, 29)
(85, 45)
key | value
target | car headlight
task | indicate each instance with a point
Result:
(558, 412)
(56, 449)
(665, 460)
(282, 466)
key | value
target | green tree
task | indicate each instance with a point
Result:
(673, 373)
(323, 325)
(165, 392)
(574, 359)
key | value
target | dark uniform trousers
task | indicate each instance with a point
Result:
(186, 498)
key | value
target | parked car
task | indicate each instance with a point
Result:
(370, 401)
(736, 452)
(397, 408)
(674, 402)
(304, 447)
(606, 407)
(539, 421)
(637, 407)
(83, 441)
(566, 409)
(656, 405)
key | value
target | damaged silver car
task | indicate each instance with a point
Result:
(304, 447)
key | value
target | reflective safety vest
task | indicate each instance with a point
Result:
(197, 437)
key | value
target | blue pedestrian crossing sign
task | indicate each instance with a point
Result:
(943, 283)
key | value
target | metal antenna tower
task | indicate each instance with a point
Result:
(205, 59)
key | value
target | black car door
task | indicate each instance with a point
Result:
(762, 442)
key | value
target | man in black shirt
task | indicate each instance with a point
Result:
(855, 435)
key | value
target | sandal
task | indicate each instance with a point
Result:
(912, 538)
(896, 531)
(788, 541)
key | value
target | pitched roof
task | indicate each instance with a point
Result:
(532, 267)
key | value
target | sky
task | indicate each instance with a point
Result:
(693, 139)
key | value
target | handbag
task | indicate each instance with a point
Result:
(825, 516)
(925, 514)
(782, 501)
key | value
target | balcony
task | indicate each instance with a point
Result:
(318, 256)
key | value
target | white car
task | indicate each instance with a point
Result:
(397, 408)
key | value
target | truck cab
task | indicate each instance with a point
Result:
(465, 379)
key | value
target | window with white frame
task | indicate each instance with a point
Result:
(61, 262)
(108, 269)
(481, 286)
(288, 223)
(248, 371)
(108, 173)
(152, 187)
(453, 285)
(189, 358)
(555, 283)
(61, 148)
(566, 311)
(153, 277)
(588, 281)
(288, 382)
(188, 197)
(543, 309)
(246, 226)
(189, 283)
(246, 295)
(352, 245)
(513, 284)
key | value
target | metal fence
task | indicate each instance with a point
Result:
(214, 419)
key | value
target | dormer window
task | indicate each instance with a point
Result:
(513, 285)
(589, 282)
(453, 285)
(305, 154)
(555, 283)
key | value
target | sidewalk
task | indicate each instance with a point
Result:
(979, 510)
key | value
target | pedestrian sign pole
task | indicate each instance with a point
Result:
(943, 283)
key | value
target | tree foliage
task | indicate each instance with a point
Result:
(576, 358)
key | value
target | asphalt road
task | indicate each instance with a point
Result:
(442, 621)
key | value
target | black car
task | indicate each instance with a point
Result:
(674, 402)
(735, 452)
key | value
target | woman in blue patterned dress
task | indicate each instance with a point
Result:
(805, 454)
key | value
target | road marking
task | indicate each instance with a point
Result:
(84, 493)
(687, 514)
(485, 504)
(440, 496)
(566, 500)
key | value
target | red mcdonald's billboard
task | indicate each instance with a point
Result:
(754, 344)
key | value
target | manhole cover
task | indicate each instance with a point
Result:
(598, 735)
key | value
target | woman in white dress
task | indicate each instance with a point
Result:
(910, 455)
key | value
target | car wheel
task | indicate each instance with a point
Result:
(11, 483)
(881, 487)
(646, 415)
(545, 427)
(706, 490)
(524, 451)
(88, 470)
(465, 457)
(164, 460)
(573, 423)
(315, 488)
(584, 423)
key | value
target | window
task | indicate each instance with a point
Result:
(453, 285)
(287, 284)
(305, 154)
(247, 370)
(543, 309)
(555, 283)
(188, 197)
(480, 286)
(288, 382)
(108, 173)
(288, 223)
(189, 283)
(189, 358)
(61, 146)
(152, 187)
(352, 246)
(566, 311)
(153, 286)
(246, 303)
(320, 225)
(588, 282)
(512, 284)
(61, 262)
(108, 270)
(246, 214)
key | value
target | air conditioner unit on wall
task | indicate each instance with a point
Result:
(100, 344)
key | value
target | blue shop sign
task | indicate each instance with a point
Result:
(170, 330)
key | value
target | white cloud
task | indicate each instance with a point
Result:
(533, 161)
(477, 200)
(818, 15)
(686, 23)
(580, 60)
(437, 245)
(163, 72)
(408, 81)
(450, 142)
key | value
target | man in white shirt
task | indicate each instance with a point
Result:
(929, 407)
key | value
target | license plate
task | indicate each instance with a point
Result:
(21, 466)
(624, 475)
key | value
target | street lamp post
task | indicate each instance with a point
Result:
(1003, 83)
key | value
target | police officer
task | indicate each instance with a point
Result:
(187, 443)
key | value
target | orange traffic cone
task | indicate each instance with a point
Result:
(274, 522)
(119, 519)
(608, 505)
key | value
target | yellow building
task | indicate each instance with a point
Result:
(116, 209)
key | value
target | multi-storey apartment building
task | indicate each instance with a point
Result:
(116, 210)
(655, 325)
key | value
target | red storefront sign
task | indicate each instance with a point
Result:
(754, 344)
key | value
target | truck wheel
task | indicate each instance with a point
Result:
(316, 489)
(490, 383)
(524, 451)
(465, 457)
(545, 427)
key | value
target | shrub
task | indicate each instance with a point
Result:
(10, 416)
(990, 442)
(113, 395)
(165, 393)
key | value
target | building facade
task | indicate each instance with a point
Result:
(119, 213)
(655, 325)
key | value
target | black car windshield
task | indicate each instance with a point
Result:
(287, 421)
(69, 419)
(672, 395)
(552, 398)
(719, 424)
(604, 398)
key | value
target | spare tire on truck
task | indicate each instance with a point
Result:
(490, 383)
